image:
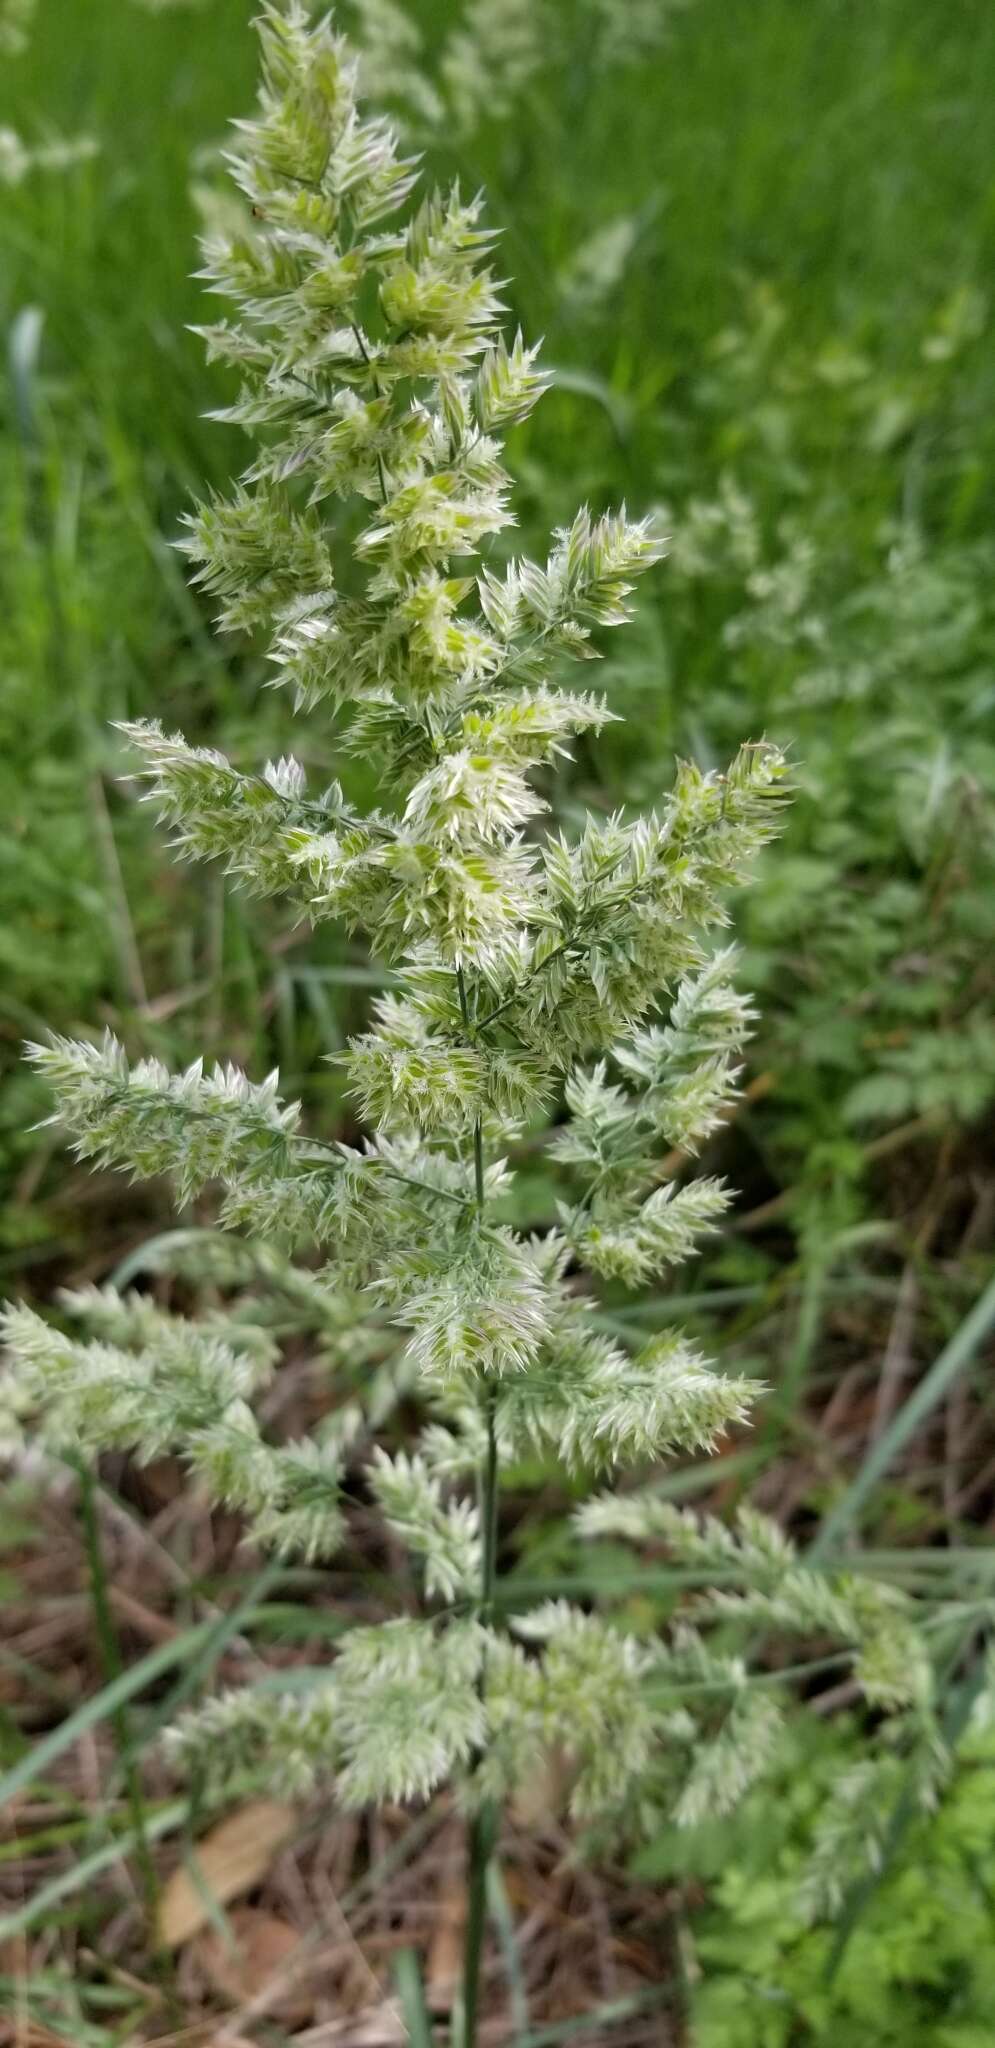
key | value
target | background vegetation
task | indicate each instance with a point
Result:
(760, 247)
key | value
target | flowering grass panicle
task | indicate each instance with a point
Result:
(367, 545)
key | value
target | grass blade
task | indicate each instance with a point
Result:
(603, 2015)
(216, 1635)
(499, 1907)
(165, 1822)
(411, 1993)
(97, 1709)
(952, 1360)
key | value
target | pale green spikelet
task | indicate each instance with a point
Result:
(409, 1708)
(445, 1536)
(721, 1770)
(195, 1125)
(876, 1621)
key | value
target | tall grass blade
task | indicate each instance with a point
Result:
(103, 1704)
(411, 1993)
(499, 1908)
(68, 1882)
(953, 1360)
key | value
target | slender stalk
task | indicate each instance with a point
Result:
(489, 1508)
(129, 960)
(953, 1359)
(484, 1827)
(574, 938)
(483, 1833)
(478, 1129)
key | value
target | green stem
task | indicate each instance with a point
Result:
(489, 1508)
(574, 938)
(409, 1180)
(424, 1187)
(484, 1827)
(478, 1129)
